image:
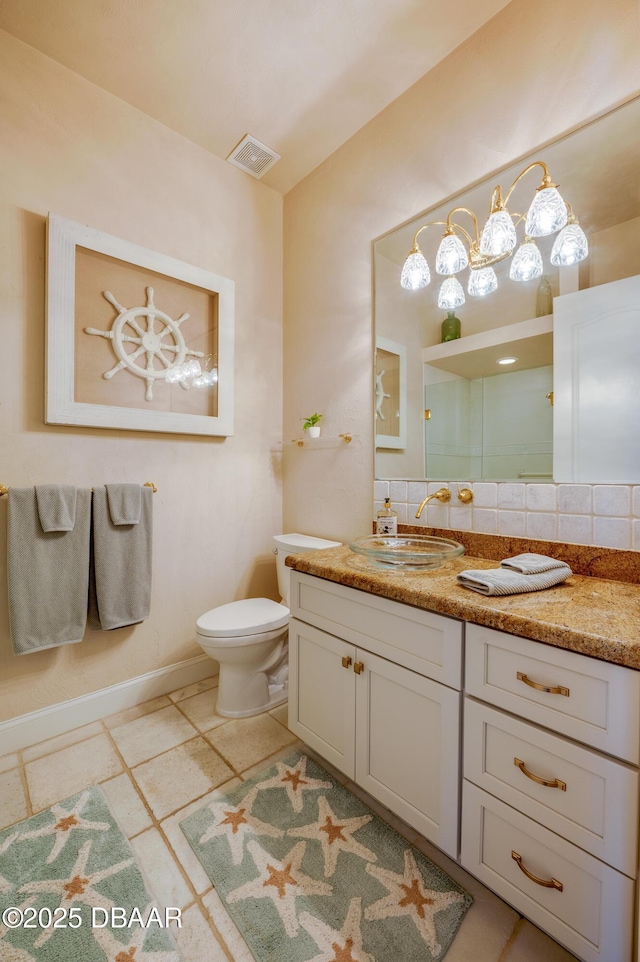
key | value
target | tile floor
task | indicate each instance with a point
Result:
(162, 760)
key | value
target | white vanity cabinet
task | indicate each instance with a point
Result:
(374, 688)
(550, 791)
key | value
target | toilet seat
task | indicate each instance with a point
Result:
(252, 616)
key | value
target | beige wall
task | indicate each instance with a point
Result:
(68, 147)
(532, 73)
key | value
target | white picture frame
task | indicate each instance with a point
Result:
(397, 438)
(63, 237)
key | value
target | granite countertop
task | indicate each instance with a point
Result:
(593, 616)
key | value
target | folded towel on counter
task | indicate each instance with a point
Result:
(125, 503)
(532, 564)
(120, 575)
(48, 573)
(56, 506)
(502, 581)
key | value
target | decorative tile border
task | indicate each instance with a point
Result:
(606, 515)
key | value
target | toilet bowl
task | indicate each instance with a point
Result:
(249, 640)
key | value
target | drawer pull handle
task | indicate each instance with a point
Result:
(346, 661)
(548, 883)
(556, 783)
(560, 690)
(358, 667)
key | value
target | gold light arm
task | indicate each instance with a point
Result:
(415, 247)
(546, 180)
(451, 224)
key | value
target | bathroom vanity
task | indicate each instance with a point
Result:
(518, 758)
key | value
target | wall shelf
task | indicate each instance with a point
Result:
(324, 442)
(476, 354)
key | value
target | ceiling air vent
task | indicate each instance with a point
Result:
(253, 157)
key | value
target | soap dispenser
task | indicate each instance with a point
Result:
(387, 519)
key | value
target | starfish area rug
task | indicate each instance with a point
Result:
(309, 873)
(71, 891)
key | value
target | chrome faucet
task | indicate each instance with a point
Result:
(443, 495)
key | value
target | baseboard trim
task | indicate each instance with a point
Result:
(36, 726)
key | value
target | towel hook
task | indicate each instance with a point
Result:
(3, 490)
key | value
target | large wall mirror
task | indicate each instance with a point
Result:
(564, 410)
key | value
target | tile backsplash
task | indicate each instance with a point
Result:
(607, 515)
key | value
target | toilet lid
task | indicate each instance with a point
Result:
(248, 617)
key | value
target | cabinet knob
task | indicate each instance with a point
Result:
(358, 667)
(346, 661)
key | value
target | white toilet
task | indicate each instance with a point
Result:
(249, 640)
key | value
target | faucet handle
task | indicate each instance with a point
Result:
(465, 495)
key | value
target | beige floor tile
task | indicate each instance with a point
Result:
(68, 771)
(9, 761)
(532, 945)
(281, 714)
(201, 710)
(272, 759)
(195, 689)
(145, 737)
(178, 842)
(61, 741)
(196, 940)
(13, 805)
(130, 714)
(161, 870)
(126, 805)
(226, 927)
(245, 741)
(177, 777)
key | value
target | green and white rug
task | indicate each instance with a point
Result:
(309, 874)
(70, 890)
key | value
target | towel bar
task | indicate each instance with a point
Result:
(147, 484)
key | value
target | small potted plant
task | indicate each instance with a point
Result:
(311, 425)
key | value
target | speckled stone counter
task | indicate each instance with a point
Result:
(590, 615)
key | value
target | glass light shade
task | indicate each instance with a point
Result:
(482, 282)
(570, 246)
(452, 256)
(547, 214)
(526, 263)
(415, 273)
(450, 294)
(498, 235)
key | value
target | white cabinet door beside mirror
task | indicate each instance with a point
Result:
(597, 384)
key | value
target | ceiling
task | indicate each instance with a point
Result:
(302, 77)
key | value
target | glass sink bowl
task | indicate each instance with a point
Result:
(410, 552)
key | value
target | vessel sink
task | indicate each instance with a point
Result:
(411, 552)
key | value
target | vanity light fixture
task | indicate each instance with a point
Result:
(191, 374)
(548, 214)
(507, 360)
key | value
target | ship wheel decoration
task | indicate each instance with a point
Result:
(157, 342)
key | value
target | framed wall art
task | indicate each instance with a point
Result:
(136, 340)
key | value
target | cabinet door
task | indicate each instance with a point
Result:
(407, 747)
(322, 693)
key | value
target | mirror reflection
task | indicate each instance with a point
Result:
(467, 416)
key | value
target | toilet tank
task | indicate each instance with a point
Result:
(286, 544)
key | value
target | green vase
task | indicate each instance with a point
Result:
(450, 327)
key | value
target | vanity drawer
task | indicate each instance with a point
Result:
(589, 799)
(420, 640)
(592, 915)
(592, 701)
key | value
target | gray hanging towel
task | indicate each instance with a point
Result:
(125, 503)
(120, 577)
(56, 506)
(48, 572)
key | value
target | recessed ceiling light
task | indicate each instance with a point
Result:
(507, 360)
